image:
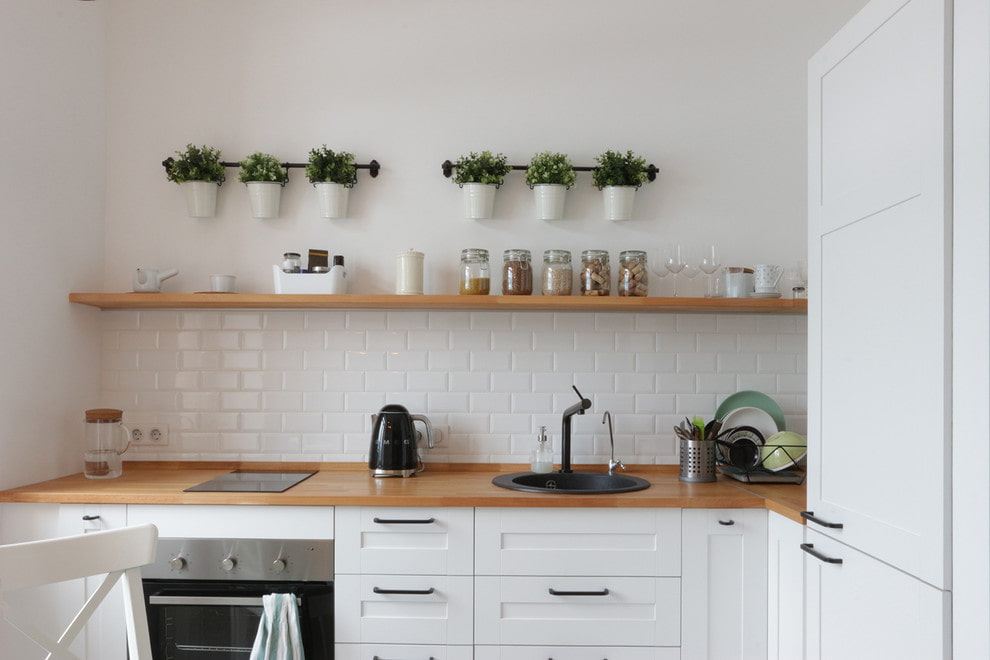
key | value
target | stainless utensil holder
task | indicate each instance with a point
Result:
(697, 460)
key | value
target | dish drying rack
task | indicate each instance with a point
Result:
(758, 474)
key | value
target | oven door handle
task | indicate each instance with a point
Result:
(222, 601)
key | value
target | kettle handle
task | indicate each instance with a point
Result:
(429, 428)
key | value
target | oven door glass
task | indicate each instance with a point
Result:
(219, 620)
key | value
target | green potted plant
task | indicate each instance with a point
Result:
(264, 177)
(199, 173)
(480, 175)
(333, 175)
(618, 176)
(550, 174)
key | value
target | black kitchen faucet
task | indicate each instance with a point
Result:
(565, 443)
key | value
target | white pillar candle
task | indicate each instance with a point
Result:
(409, 273)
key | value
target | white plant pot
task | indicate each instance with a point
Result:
(333, 199)
(265, 197)
(201, 198)
(479, 200)
(549, 200)
(619, 202)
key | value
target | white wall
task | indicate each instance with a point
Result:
(53, 180)
(711, 91)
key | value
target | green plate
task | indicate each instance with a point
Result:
(752, 399)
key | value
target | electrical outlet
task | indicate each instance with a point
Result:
(440, 433)
(149, 434)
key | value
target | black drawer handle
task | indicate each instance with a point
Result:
(554, 592)
(727, 523)
(810, 549)
(407, 592)
(389, 521)
(810, 515)
(91, 517)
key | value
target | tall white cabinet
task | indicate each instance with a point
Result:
(879, 417)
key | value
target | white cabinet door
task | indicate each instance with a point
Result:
(880, 298)
(864, 609)
(724, 579)
(575, 653)
(402, 652)
(578, 542)
(235, 522)
(785, 589)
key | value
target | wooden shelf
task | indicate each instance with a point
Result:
(450, 302)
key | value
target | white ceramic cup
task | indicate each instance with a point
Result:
(738, 283)
(767, 276)
(222, 283)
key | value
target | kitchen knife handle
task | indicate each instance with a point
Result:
(407, 592)
(554, 592)
(810, 549)
(391, 521)
(810, 515)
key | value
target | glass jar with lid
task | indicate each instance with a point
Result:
(557, 274)
(633, 274)
(596, 276)
(517, 273)
(475, 276)
(291, 262)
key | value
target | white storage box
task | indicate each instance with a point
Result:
(300, 282)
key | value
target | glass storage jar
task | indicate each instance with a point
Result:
(595, 273)
(633, 278)
(291, 262)
(557, 274)
(475, 277)
(517, 273)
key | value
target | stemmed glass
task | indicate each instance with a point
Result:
(709, 264)
(691, 257)
(674, 260)
(658, 265)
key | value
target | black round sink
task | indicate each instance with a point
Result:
(570, 483)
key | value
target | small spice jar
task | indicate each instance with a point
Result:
(595, 273)
(475, 277)
(557, 274)
(517, 273)
(633, 278)
(291, 262)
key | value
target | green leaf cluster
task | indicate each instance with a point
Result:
(327, 166)
(262, 167)
(481, 168)
(616, 169)
(550, 167)
(196, 164)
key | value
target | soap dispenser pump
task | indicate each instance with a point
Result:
(541, 459)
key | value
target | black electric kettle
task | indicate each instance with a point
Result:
(393, 450)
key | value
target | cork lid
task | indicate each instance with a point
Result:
(104, 415)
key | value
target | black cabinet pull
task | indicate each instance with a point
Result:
(390, 521)
(408, 592)
(91, 517)
(554, 592)
(810, 515)
(810, 549)
(727, 523)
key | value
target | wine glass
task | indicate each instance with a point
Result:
(709, 264)
(674, 260)
(692, 264)
(658, 266)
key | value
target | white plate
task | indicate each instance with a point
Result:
(749, 416)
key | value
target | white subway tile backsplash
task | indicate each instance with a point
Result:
(280, 385)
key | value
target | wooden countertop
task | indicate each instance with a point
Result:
(440, 485)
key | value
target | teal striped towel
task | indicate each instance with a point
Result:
(278, 633)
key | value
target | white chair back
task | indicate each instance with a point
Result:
(119, 553)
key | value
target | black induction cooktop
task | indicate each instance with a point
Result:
(251, 481)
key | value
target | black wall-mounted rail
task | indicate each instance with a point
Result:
(373, 167)
(651, 169)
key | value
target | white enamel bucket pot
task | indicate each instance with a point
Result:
(619, 202)
(479, 200)
(549, 200)
(265, 197)
(201, 198)
(332, 198)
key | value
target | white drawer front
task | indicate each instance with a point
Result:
(442, 616)
(521, 610)
(644, 542)
(574, 653)
(404, 540)
(225, 521)
(402, 652)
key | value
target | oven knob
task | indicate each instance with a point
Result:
(177, 563)
(228, 564)
(278, 565)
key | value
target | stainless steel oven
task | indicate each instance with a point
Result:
(204, 595)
